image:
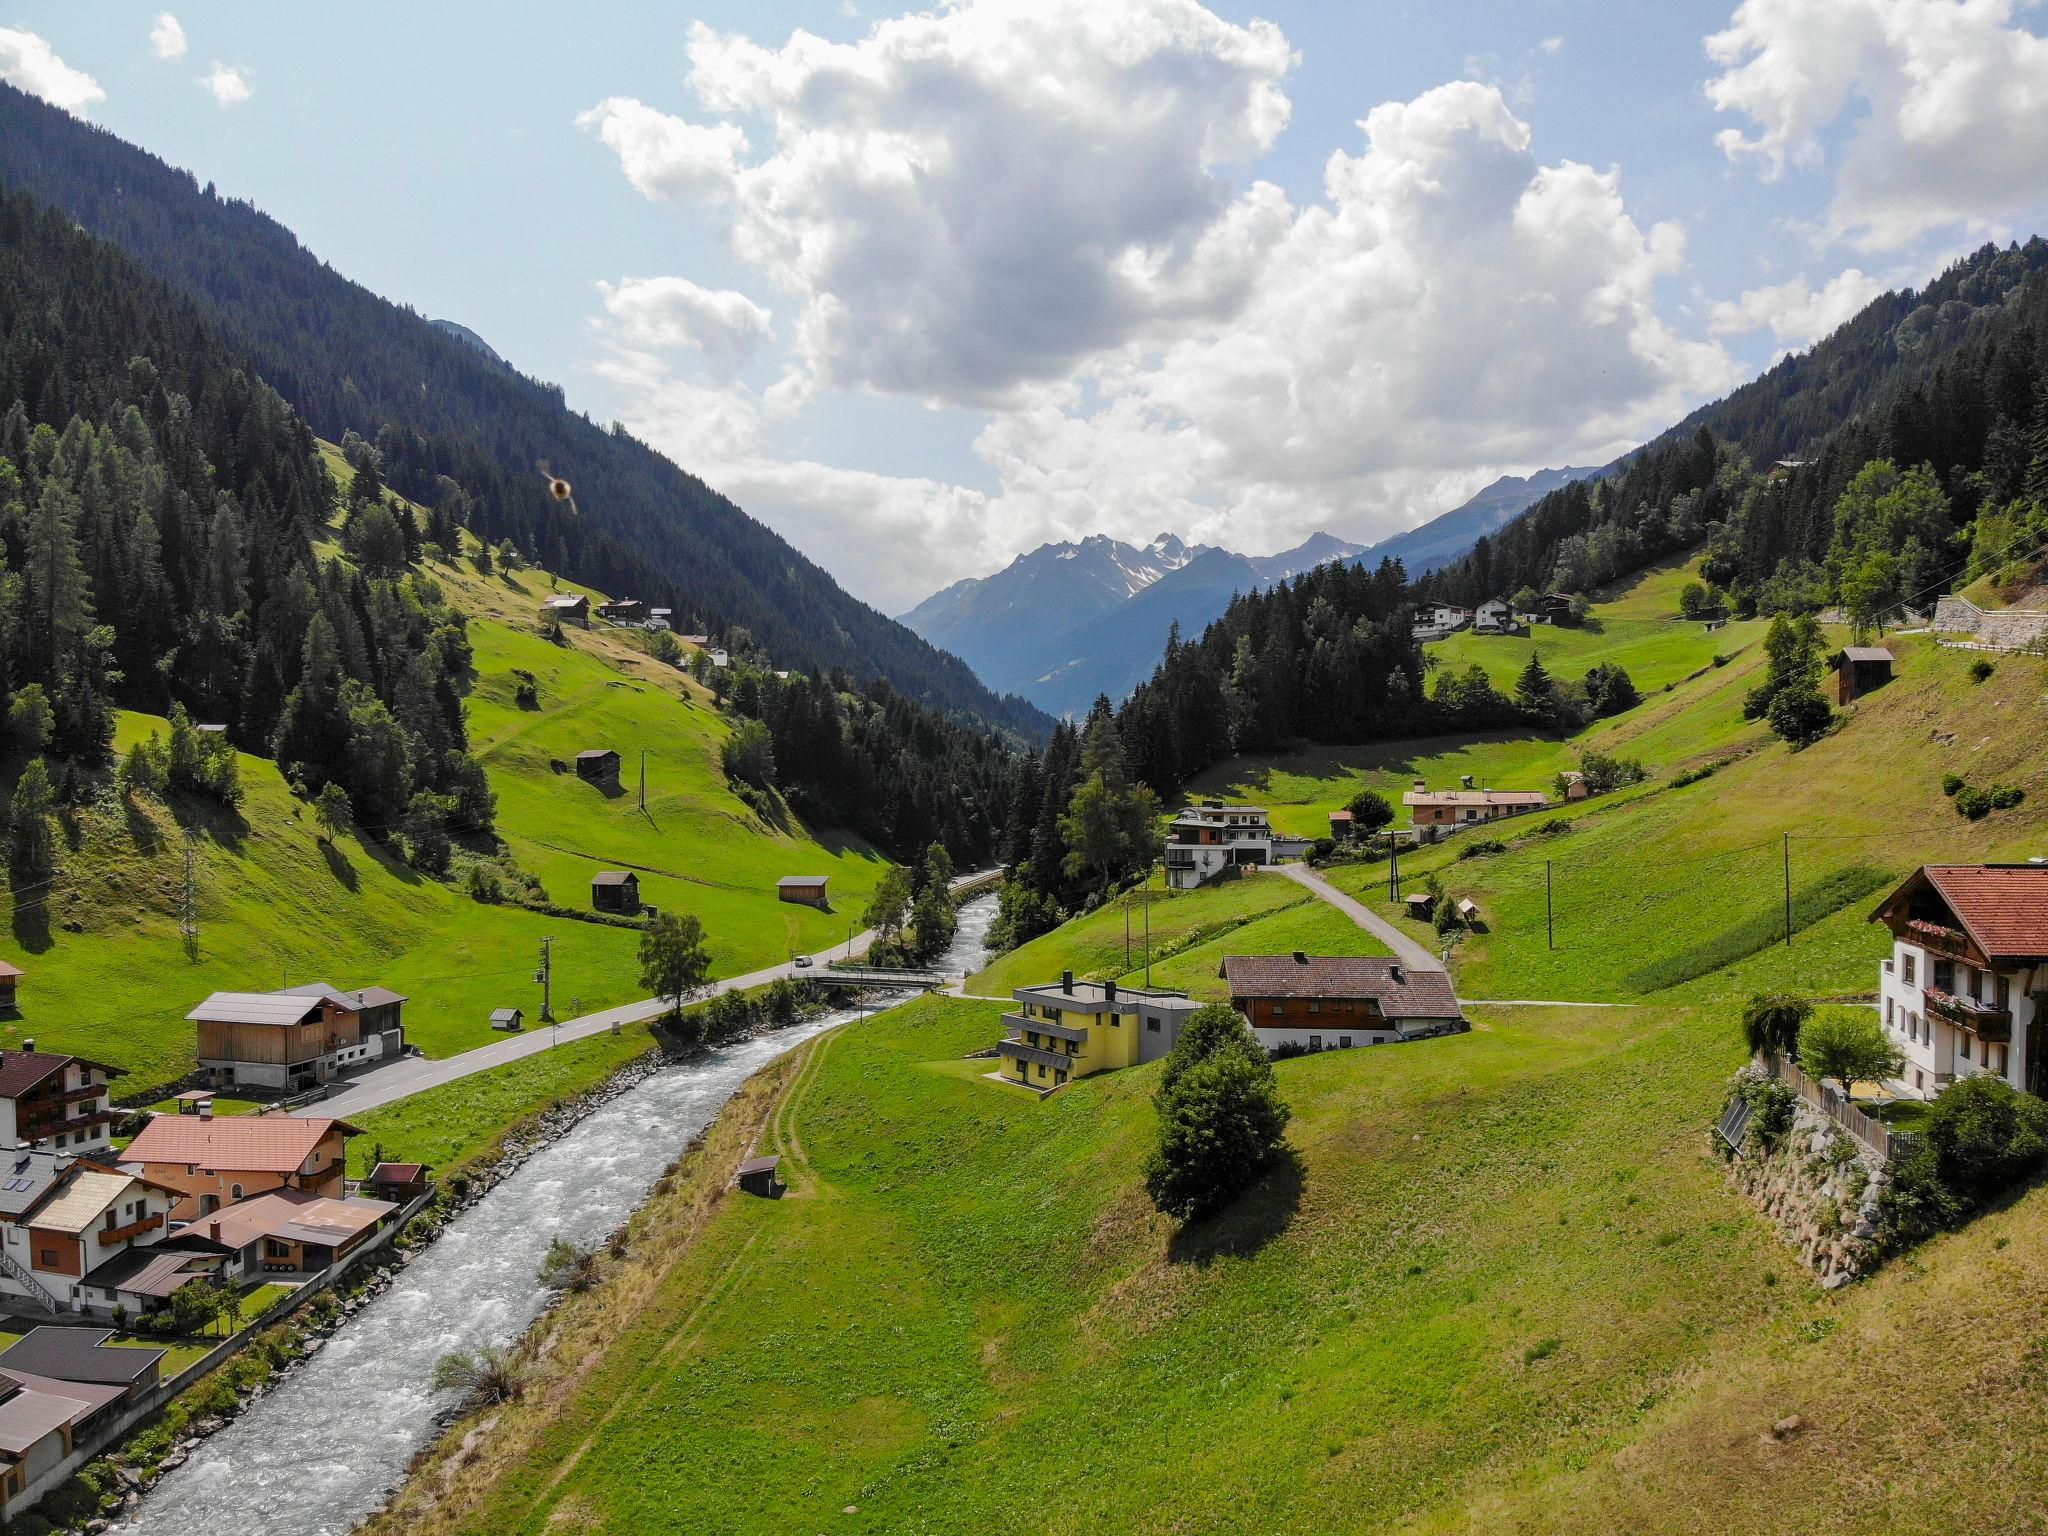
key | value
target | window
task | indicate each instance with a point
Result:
(1279, 1010)
(1906, 965)
(1963, 1046)
(1344, 1042)
(1152, 1023)
(1976, 985)
(1944, 977)
(2004, 992)
(235, 1191)
(1887, 1012)
(1314, 1006)
(1315, 1042)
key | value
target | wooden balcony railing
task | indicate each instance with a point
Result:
(1981, 1019)
(112, 1235)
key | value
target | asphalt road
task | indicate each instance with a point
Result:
(1414, 955)
(415, 1074)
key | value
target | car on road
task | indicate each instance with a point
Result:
(802, 962)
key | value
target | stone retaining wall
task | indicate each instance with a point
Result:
(2004, 629)
(1820, 1187)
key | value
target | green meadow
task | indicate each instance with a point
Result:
(109, 973)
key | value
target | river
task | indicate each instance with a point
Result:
(317, 1453)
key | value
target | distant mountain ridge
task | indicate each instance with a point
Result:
(1451, 535)
(1068, 621)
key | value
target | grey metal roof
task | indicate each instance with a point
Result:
(78, 1354)
(256, 1008)
(1866, 653)
(28, 1417)
(760, 1164)
(615, 877)
(801, 880)
(504, 1013)
(26, 1177)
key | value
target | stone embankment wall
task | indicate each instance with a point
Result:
(1820, 1186)
(2003, 629)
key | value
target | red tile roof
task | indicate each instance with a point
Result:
(2003, 907)
(238, 1143)
(22, 1070)
(1414, 995)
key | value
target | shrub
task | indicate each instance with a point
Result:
(1321, 849)
(484, 1376)
(1986, 1136)
(568, 1267)
(1772, 1105)
(1914, 1200)
(1950, 783)
(1771, 1024)
(1694, 775)
(1370, 811)
(1481, 848)
(1799, 715)
(1976, 804)
(1980, 669)
(1850, 1047)
(1557, 826)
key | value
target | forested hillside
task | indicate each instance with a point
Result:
(1942, 385)
(435, 407)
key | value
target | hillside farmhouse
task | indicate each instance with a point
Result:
(211, 1162)
(55, 1103)
(1069, 1029)
(1204, 840)
(1966, 985)
(296, 1037)
(567, 608)
(1458, 807)
(1335, 1002)
(623, 610)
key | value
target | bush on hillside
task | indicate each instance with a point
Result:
(1976, 804)
(1986, 1135)
(1951, 783)
(1221, 1118)
(1370, 811)
(1850, 1047)
(1693, 775)
(1799, 715)
(1981, 669)
(1482, 847)
(1771, 1023)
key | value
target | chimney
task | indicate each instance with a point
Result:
(206, 1109)
(1301, 957)
(213, 1230)
(28, 1045)
(1394, 973)
(1421, 785)
(1066, 981)
(1109, 991)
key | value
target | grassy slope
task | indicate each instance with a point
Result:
(1514, 1295)
(277, 907)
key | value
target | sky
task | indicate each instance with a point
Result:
(923, 290)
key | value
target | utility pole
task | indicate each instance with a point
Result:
(643, 778)
(188, 897)
(1549, 909)
(1148, 927)
(1127, 920)
(1788, 889)
(1394, 879)
(547, 980)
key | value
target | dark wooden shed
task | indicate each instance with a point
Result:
(600, 765)
(615, 890)
(757, 1177)
(1860, 668)
(1420, 904)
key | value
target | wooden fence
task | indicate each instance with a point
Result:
(1831, 1101)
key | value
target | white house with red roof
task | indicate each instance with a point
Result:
(1967, 978)
(55, 1102)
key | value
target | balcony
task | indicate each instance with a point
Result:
(112, 1235)
(1980, 1019)
(1022, 1052)
(1940, 939)
(1018, 1023)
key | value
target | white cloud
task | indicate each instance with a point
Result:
(1552, 46)
(229, 86)
(663, 156)
(1941, 107)
(647, 313)
(27, 61)
(1796, 313)
(966, 201)
(167, 38)
(1034, 215)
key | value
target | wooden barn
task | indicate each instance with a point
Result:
(757, 1176)
(600, 765)
(805, 890)
(1859, 669)
(615, 890)
(10, 978)
(567, 608)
